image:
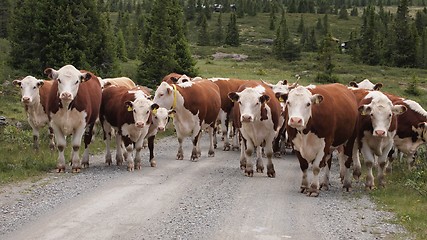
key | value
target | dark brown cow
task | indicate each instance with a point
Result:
(257, 116)
(320, 119)
(196, 106)
(73, 108)
(129, 113)
(34, 96)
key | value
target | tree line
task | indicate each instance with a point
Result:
(97, 34)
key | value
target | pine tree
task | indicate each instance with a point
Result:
(325, 56)
(219, 32)
(73, 32)
(232, 37)
(203, 37)
(190, 10)
(404, 46)
(312, 42)
(343, 14)
(282, 37)
(5, 8)
(121, 46)
(368, 46)
(292, 8)
(301, 25)
(272, 25)
(207, 10)
(354, 12)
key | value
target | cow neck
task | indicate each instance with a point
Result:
(174, 97)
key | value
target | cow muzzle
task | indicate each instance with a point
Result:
(246, 118)
(66, 96)
(295, 122)
(26, 100)
(139, 124)
(161, 129)
(380, 133)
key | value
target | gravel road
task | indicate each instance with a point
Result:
(208, 199)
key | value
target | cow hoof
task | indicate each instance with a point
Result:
(153, 163)
(302, 189)
(138, 167)
(271, 174)
(234, 148)
(324, 186)
(85, 165)
(249, 173)
(313, 193)
(277, 154)
(60, 170)
(211, 154)
(215, 145)
(51, 147)
(131, 168)
(260, 169)
(76, 170)
(226, 148)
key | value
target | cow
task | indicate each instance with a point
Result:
(257, 116)
(129, 113)
(118, 81)
(171, 78)
(34, 96)
(73, 108)
(377, 126)
(319, 120)
(366, 84)
(195, 106)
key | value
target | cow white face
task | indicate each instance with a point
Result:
(141, 109)
(299, 103)
(164, 95)
(69, 79)
(381, 111)
(250, 101)
(29, 89)
(160, 118)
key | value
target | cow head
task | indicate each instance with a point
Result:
(141, 109)
(160, 117)
(366, 84)
(164, 95)
(69, 79)
(29, 89)
(299, 103)
(381, 111)
(251, 103)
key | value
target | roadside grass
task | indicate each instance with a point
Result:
(406, 196)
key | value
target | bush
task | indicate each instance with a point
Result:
(326, 78)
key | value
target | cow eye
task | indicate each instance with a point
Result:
(308, 104)
(389, 116)
(256, 104)
(155, 117)
(34, 87)
(148, 112)
(77, 82)
(59, 80)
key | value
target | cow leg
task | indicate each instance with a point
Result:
(76, 142)
(249, 170)
(119, 153)
(304, 166)
(62, 142)
(382, 162)
(52, 139)
(325, 181)
(369, 162)
(224, 129)
(242, 154)
(235, 140)
(180, 154)
(211, 152)
(87, 140)
(138, 147)
(313, 191)
(107, 138)
(259, 162)
(150, 143)
(269, 152)
(195, 152)
(357, 167)
(129, 160)
(36, 136)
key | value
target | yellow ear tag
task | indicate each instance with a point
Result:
(171, 115)
(281, 99)
(154, 111)
(130, 109)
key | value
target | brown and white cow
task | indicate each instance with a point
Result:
(118, 81)
(257, 116)
(366, 84)
(73, 108)
(196, 106)
(377, 126)
(34, 96)
(320, 119)
(129, 113)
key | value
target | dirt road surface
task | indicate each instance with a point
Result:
(180, 199)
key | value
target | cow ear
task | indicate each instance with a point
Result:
(264, 98)
(364, 110)
(316, 98)
(422, 125)
(17, 83)
(233, 96)
(281, 97)
(40, 83)
(284, 82)
(378, 86)
(399, 109)
(171, 113)
(353, 84)
(85, 77)
(154, 106)
(51, 73)
(129, 106)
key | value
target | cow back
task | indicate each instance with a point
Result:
(44, 93)
(113, 108)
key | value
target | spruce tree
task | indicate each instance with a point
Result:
(5, 8)
(121, 46)
(404, 55)
(272, 25)
(218, 35)
(325, 58)
(343, 14)
(301, 27)
(190, 10)
(203, 37)
(232, 37)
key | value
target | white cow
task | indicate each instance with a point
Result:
(34, 95)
